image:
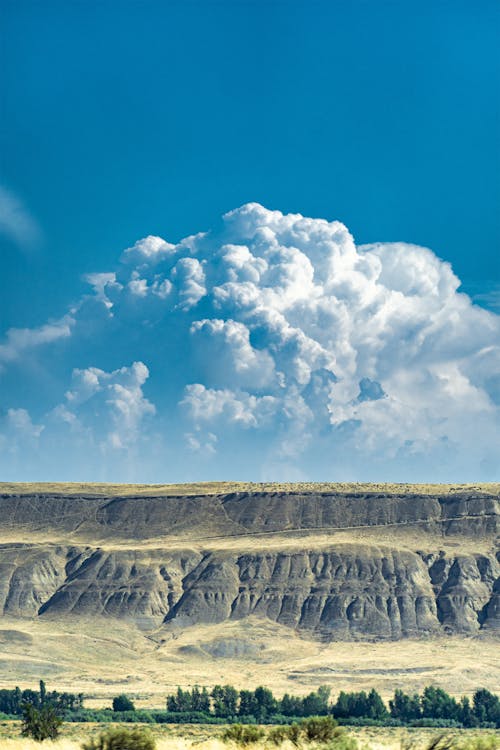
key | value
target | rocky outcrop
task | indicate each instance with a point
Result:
(464, 587)
(205, 516)
(177, 577)
(349, 591)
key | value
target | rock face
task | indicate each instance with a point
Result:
(341, 591)
(203, 516)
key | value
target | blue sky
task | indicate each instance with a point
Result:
(122, 120)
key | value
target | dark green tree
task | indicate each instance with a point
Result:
(225, 701)
(405, 707)
(248, 705)
(316, 703)
(200, 700)
(466, 713)
(486, 707)
(291, 705)
(265, 702)
(438, 704)
(181, 701)
(123, 703)
(376, 706)
(351, 705)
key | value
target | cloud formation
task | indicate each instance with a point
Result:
(16, 222)
(275, 347)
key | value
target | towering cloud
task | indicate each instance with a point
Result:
(275, 348)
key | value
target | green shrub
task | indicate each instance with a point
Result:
(40, 723)
(294, 733)
(278, 735)
(121, 738)
(319, 729)
(243, 734)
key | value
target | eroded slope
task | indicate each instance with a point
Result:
(418, 563)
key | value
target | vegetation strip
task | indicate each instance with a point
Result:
(224, 704)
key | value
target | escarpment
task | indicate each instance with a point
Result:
(240, 513)
(173, 562)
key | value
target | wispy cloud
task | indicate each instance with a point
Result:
(20, 340)
(16, 222)
(489, 298)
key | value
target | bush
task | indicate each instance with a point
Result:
(278, 735)
(243, 734)
(40, 723)
(295, 733)
(123, 703)
(322, 730)
(319, 729)
(120, 738)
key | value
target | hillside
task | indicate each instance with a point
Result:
(211, 577)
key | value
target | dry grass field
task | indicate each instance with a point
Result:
(200, 737)
(106, 657)
(95, 489)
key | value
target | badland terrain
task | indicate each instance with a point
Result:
(140, 588)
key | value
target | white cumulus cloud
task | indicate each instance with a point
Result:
(277, 344)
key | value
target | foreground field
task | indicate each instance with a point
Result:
(196, 737)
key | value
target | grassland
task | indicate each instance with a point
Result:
(105, 657)
(200, 737)
(94, 489)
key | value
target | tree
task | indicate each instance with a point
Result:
(437, 704)
(123, 703)
(342, 707)
(351, 705)
(248, 705)
(291, 705)
(466, 713)
(40, 723)
(376, 706)
(181, 701)
(200, 700)
(486, 707)
(405, 707)
(225, 698)
(316, 704)
(266, 703)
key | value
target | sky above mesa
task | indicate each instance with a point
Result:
(250, 240)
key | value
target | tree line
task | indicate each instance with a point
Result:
(226, 704)
(433, 705)
(12, 701)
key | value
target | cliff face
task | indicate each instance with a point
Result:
(203, 516)
(347, 592)
(342, 590)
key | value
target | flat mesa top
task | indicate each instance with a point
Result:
(223, 488)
